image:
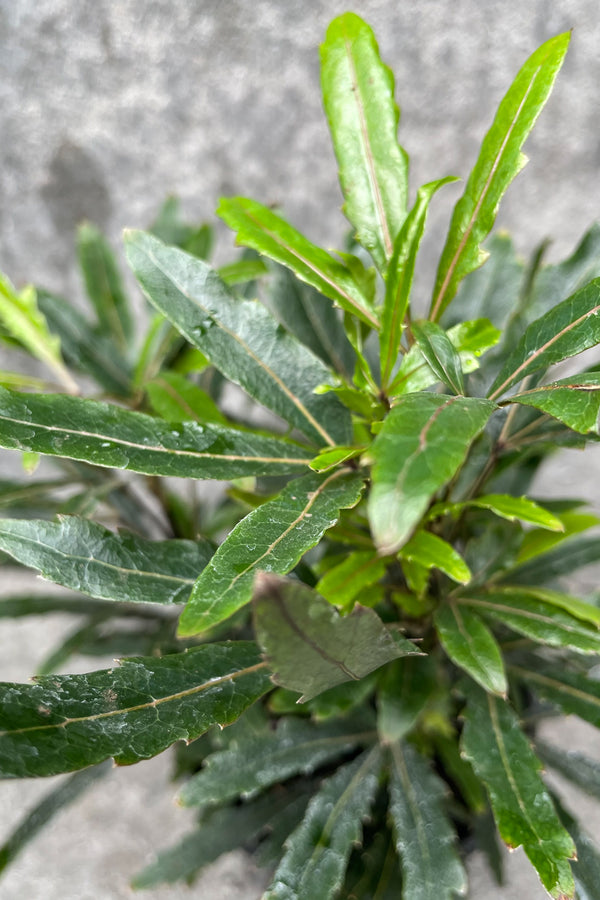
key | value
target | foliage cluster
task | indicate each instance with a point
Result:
(373, 606)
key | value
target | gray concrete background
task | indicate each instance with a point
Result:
(105, 107)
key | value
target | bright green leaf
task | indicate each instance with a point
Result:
(272, 538)
(310, 647)
(431, 552)
(134, 711)
(240, 338)
(515, 509)
(331, 457)
(538, 540)
(242, 270)
(176, 399)
(87, 557)
(341, 584)
(358, 95)
(422, 444)
(107, 435)
(575, 401)
(425, 836)
(502, 757)
(471, 645)
(500, 159)
(263, 230)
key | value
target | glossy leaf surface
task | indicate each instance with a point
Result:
(271, 757)
(502, 757)
(358, 95)
(240, 338)
(425, 837)
(422, 444)
(272, 538)
(318, 850)
(263, 230)
(500, 159)
(431, 552)
(107, 435)
(471, 645)
(568, 329)
(66, 722)
(79, 554)
(310, 647)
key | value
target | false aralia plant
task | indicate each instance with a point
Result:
(372, 606)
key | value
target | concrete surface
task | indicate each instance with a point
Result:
(105, 107)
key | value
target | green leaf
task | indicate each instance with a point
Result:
(358, 95)
(66, 722)
(240, 338)
(341, 584)
(21, 316)
(310, 647)
(443, 359)
(575, 693)
(515, 509)
(260, 228)
(84, 349)
(575, 401)
(573, 605)
(87, 557)
(555, 282)
(405, 690)
(104, 286)
(248, 766)
(422, 444)
(242, 271)
(107, 435)
(318, 850)
(271, 538)
(41, 604)
(170, 228)
(176, 399)
(400, 277)
(53, 802)
(502, 757)
(538, 541)
(536, 619)
(499, 161)
(471, 645)
(425, 837)
(581, 770)
(312, 318)
(431, 552)
(566, 330)
(567, 557)
(331, 457)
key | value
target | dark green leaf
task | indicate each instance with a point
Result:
(471, 645)
(422, 444)
(86, 557)
(66, 722)
(553, 284)
(176, 399)
(405, 690)
(586, 869)
(263, 230)
(425, 837)
(104, 286)
(431, 552)
(310, 647)
(250, 765)
(400, 277)
(575, 693)
(240, 338)
(53, 802)
(575, 401)
(110, 436)
(581, 770)
(587, 612)
(439, 352)
(318, 850)
(566, 330)
(170, 228)
(500, 159)
(358, 95)
(312, 318)
(271, 538)
(40, 604)
(84, 349)
(502, 757)
(567, 557)
(536, 619)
